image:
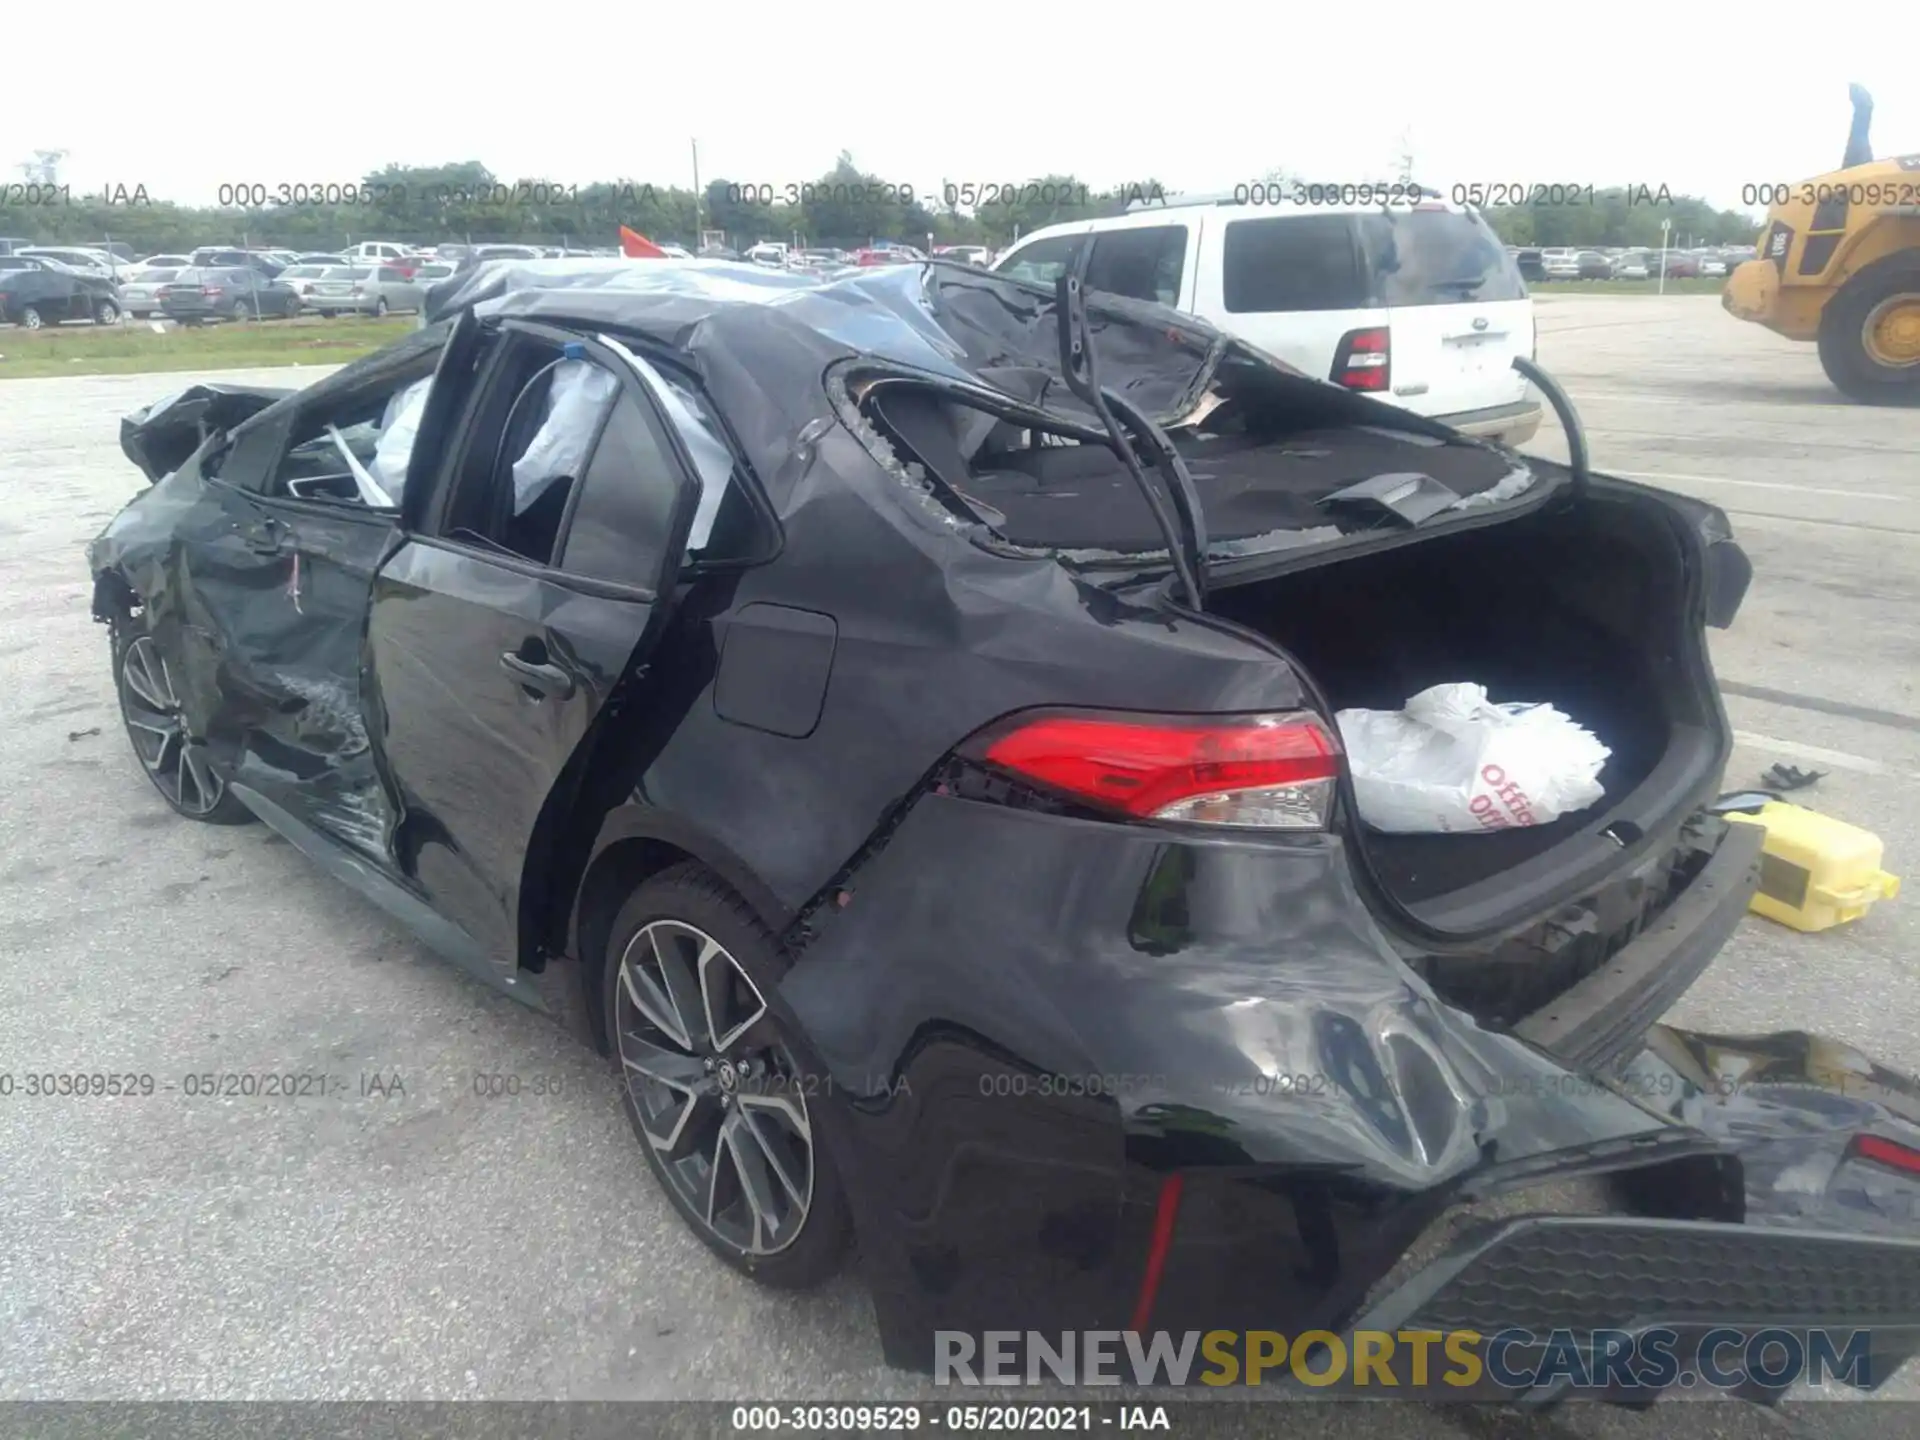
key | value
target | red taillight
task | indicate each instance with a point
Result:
(1363, 360)
(1890, 1153)
(211, 292)
(1266, 771)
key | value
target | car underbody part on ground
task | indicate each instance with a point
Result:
(838, 743)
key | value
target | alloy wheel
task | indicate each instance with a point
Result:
(157, 725)
(717, 1095)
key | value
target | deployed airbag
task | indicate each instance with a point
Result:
(577, 401)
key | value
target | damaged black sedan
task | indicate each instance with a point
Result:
(892, 718)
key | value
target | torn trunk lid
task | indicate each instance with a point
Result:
(160, 437)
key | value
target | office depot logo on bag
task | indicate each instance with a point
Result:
(1503, 805)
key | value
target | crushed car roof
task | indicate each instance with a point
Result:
(950, 321)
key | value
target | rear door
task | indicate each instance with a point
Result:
(1456, 305)
(498, 632)
(1292, 284)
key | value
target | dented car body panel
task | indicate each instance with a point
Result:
(1023, 1018)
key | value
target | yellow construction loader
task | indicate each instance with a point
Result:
(1839, 264)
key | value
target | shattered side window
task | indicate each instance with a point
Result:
(624, 514)
(1044, 261)
(700, 432)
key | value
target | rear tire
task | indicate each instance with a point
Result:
(106, 313)
(1857, 322)
(733, 1136)
(30, 318)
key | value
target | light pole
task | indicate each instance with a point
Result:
(698, 227)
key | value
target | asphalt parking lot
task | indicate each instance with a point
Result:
(412, 1238)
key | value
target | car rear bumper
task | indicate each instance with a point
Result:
(1602, 1017)
(1031, 1026)
(1513, 424)
(1711, 1287)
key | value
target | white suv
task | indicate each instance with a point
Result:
(1418, 304)
(379, 252)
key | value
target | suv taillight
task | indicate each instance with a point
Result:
(1363, 360)
(1274, 771)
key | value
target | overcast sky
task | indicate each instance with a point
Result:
(1702, 97)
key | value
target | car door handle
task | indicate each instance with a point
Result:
(267, 538)
(547, 679)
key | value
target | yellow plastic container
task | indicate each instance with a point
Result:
(1816, 872)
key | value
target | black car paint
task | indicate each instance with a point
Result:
(56, 292)
(1027, 1018)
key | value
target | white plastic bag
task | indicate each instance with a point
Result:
(1453, 762)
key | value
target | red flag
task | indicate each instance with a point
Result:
(636, 246)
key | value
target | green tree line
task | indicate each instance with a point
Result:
(845, 207)
(1621, 215)
(467, 202)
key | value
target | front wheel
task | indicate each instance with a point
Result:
(1870, 338)
(176, 760)
(714, 1084)
(106, 313)
(30, 318)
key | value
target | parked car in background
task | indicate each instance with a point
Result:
(1420, 306)
(1594, 266)
(168, 262)
(1631, 265)
(379, 252)
(302, 277)
(87, 262)
(1527, 262)
(768, 252)
(1711, 265)
(223, 257)
(718, 252)
(140, 291)
(36, 292)
(1676, 265)
(226, 292)
(321, 258)
(1560, 263)
(365, 290)
(966, 254)
(432, 272)
(506, 252)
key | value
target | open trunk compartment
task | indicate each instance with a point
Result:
(1586, 604)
